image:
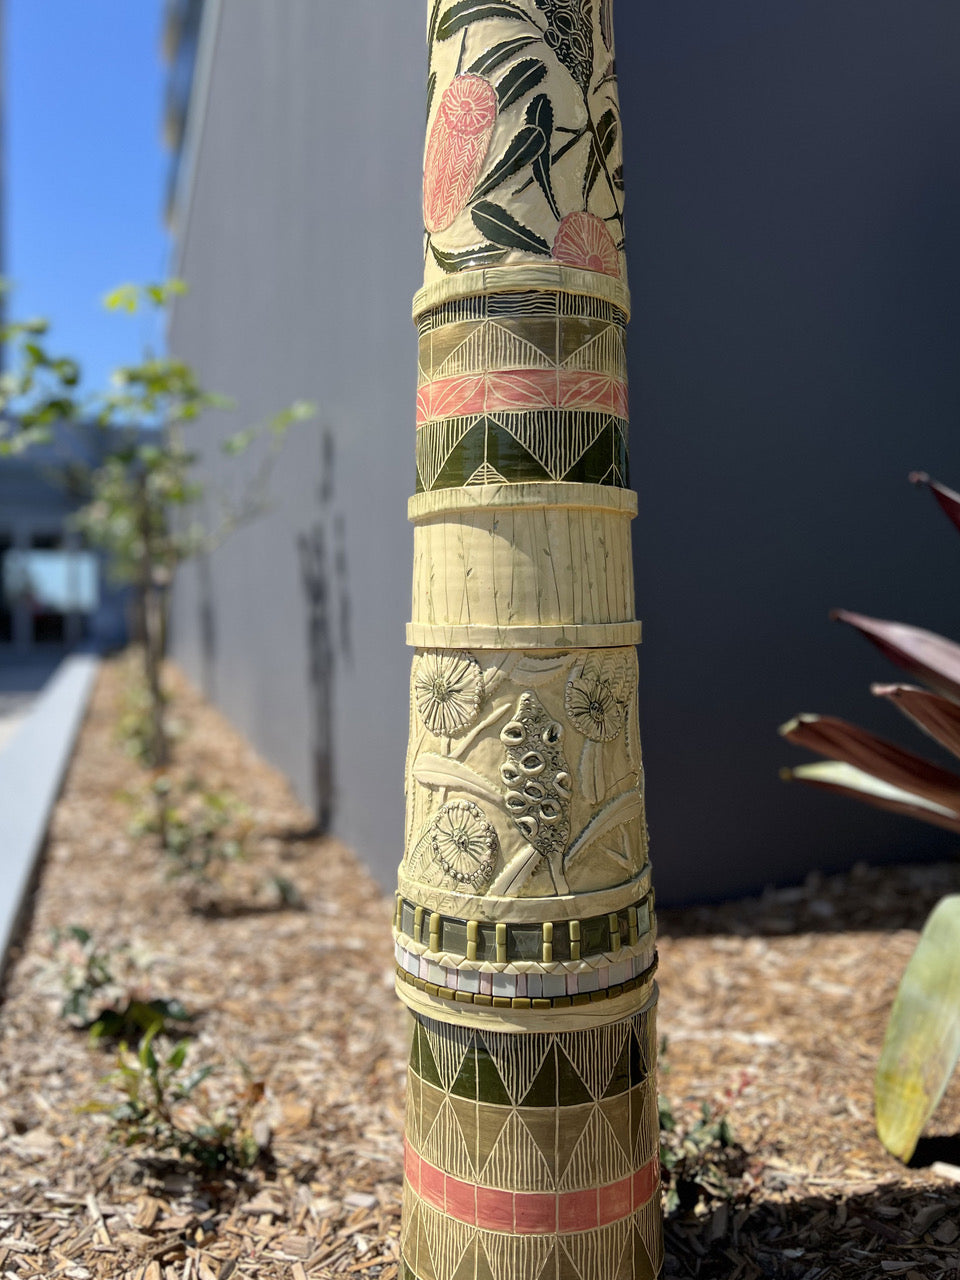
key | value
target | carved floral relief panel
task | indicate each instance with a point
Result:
(524, 775)
(523, 157)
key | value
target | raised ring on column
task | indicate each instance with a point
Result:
(549, 277)
(514, 547)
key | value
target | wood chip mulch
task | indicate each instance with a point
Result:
(773, 1010)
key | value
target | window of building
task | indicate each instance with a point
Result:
(51, 584)
(6, 610)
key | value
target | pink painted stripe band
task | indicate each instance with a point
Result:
(518, 389)
(530, 1212)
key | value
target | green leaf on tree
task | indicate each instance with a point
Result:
(503, 229)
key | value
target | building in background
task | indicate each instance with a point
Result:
(54, 594)
(794, 268)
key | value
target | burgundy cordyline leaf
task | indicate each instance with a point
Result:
(936, 716)
(931, 658)
(948, 500)
(846, 780)
(838, 740)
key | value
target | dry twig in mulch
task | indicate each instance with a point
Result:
(773, 1011)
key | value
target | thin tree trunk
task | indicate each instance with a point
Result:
(151, 597)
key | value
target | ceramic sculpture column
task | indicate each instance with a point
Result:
(524, 923)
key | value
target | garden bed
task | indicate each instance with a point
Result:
(773, 1010)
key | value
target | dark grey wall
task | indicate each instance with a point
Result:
(794, 199)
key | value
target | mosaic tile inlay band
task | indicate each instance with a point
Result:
(524, 933)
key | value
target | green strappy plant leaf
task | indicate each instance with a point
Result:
(922, 1044)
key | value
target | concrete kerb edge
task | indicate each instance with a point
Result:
(32, 767)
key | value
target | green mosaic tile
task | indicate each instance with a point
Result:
(406, 919)
(525, 943)
(487, 942)
(453, 936)
(561, 941)
(594, 935)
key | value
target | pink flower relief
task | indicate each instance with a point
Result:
(582, 240)
(457, 148)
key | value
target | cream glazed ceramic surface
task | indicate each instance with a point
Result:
(524, 931)
(524, 774)
(523, 159)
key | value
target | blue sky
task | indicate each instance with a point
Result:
(84, 169)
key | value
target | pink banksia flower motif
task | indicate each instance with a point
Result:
(457, 148)
(582, 240)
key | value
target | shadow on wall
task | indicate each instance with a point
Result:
(324, 582)
(208, 628)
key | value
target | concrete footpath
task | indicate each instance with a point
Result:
(33, 760)
(21, 682)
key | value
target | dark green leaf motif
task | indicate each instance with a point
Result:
(525, 146)
(503, 229)
(431, 90)
(518, 81)
(484, 255)
(617, 177)
(601, 144)
(490, 59)
(540, 115)
(462, 14)
(434, 19)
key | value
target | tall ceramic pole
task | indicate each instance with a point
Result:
(524, 922)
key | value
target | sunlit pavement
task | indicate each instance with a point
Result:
(20, 682)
